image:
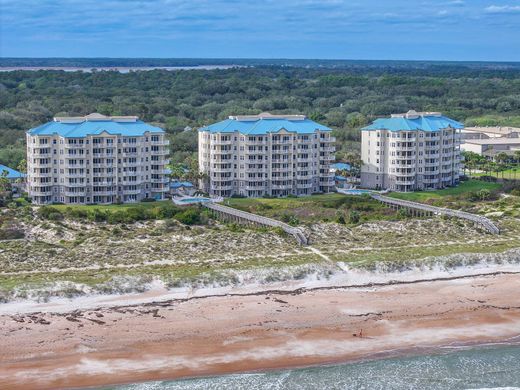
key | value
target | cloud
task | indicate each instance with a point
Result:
(502, 9)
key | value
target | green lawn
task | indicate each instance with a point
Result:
(462, 188)
(513, 173)
(113, 207)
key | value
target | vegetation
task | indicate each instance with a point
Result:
(317, 208)
(503, 166)
(343, 95)
(126, 213)
(459, 197)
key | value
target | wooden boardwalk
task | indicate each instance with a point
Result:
(243, 217)
(424, 209)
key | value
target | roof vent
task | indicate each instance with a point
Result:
(412, 114)
(267, 115)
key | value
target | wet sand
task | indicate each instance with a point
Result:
(226, 334)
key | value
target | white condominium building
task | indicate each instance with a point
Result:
(96, 159)
(412, 151)
(257, 155)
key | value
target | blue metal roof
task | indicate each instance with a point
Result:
(11, 173)
(341, 166)
(264, 126)
(179, 184)
(82, 129)
(425, 123)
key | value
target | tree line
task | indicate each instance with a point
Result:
(344, 98)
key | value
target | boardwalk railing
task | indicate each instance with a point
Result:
(243, 217)
(421, 208)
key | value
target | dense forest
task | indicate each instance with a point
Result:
(344, 98)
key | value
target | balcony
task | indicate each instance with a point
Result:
(303, 177)
(328, 139)
(215, 187)
(330, 149)
(281, 186)
(405, 182)
(304, 185)
(76, 185)
(219, 142)
(405, 148)
(104, 193)
(405, 174)
(327, 159)
(220, 152)
(160, 143)
(129, 154)
(104, 183)
(162, 180)
(132, 192)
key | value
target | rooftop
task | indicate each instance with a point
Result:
(412, 120)
(95, 124)
(493, 141)
(11, 173)
(493, 130)
(265, 123)
(180, 184)
(341, 166)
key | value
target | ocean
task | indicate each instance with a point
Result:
(475, 368)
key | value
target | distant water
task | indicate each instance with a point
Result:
(480, 368)
(120, 69)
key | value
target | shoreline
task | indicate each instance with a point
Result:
(438, 350)
(267, 331)
(345, 279)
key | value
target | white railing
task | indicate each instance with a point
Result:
(296, 232)
(486, 223)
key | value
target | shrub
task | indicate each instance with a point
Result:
(340, 219)
(148, 200)
(354, 217)
(50, 213)
(190, 216)
(290, 219)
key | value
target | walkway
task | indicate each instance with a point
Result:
(243, 217)
(424, 209)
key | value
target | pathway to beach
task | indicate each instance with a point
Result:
(258, 331)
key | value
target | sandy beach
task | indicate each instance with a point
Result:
(257, 331)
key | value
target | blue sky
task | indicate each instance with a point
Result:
(329, 29)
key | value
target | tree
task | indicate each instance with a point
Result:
(5, 188)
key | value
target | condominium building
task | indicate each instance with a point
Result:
(257, 155)
(412, 151)
(96, 159)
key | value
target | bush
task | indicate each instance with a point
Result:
(354, 217)
(148, 200)
(50, 213)
(340, 219)
(190, 216)
(290, 219)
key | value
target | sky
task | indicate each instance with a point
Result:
(460, 30)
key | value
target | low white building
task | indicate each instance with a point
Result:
(486, 132)
(411, 151)
(490, 147)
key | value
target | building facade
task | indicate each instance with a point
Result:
(257, 155)
(409, 152)
(96, 159)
